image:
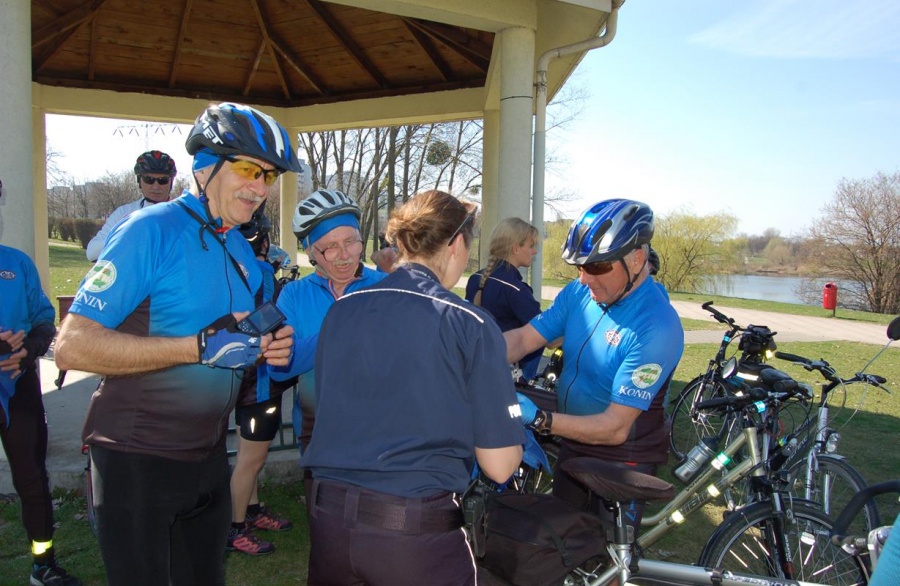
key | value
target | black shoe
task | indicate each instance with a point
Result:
(53, 575)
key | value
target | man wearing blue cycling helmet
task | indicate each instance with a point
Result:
(158, 316)
(622, 342)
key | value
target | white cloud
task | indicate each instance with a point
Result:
(808, 29)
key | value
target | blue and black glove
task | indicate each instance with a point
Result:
(222, 345)
(535, 419)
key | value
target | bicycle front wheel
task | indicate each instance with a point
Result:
(749, 540)
(832, 486)
(688, 425)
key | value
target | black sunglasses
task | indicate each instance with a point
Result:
(597, 268)
(151, 180)
(469, 219)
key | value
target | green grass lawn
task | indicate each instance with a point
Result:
(866, 435)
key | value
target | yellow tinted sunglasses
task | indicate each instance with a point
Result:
(251, 171)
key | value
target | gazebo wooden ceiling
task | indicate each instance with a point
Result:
(282, 53)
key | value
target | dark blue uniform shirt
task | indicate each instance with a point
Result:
(409, 380)
(508, 298)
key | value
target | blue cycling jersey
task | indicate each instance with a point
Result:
(622, 354)
(305, 303)
(23, 305)
(163, 273)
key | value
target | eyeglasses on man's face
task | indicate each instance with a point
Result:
(151, 180)
(597, 268)
(333, 251)
(251, 171)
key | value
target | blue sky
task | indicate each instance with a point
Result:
(757, 108)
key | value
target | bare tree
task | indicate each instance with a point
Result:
(860, 241)
(112, 191)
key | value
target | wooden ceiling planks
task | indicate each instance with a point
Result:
(278, 52)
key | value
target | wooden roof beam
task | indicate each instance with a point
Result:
(179, 42)
(472, 50)
(72, 19)
(92, 50)
(296, 64)
(426, 45)
(349, 44)
(267, 46)
(248, 83)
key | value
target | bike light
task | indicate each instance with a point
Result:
(712, 490)
(831, 443)
(676, 518)
(807, 538)
(720, 462)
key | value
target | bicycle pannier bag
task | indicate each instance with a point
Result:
(536, 539)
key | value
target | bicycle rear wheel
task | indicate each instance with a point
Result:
(690, 426)
(746, 543)
(831, 487)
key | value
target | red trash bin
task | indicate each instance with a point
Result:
(829, 296)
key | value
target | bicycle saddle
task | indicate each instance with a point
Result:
(616, 484)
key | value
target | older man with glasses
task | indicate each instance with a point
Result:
(622, 342)
(326, 225)
(155, 172)
(158, 317)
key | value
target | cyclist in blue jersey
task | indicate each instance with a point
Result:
(326, 225)
(155, 172)
(500, 289)
(622, 343)
(158, 317)
(412, 389)
(26, 331)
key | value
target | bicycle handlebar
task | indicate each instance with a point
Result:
(720, 317)
(736, 401)
(830, 374)
(841, 525)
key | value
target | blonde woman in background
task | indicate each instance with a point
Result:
(500, 289)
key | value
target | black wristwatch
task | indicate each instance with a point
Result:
(543, 421)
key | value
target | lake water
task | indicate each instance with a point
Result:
(765, 287)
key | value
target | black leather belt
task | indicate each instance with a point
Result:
(405, 515)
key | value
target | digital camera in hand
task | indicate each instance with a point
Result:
(264, 319)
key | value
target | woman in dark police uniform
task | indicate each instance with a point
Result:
(412, 388)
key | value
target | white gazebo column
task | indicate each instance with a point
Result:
(17, 221)
(39, 199)
(516, 109)
(287, 203)
(490, 153)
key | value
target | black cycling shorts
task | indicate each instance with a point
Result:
(259, 422)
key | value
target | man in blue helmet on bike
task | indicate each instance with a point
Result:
(622, 342)
(158, 316)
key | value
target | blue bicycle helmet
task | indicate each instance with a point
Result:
(235, 129)
(607, 231)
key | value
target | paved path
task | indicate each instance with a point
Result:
(66, 407)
